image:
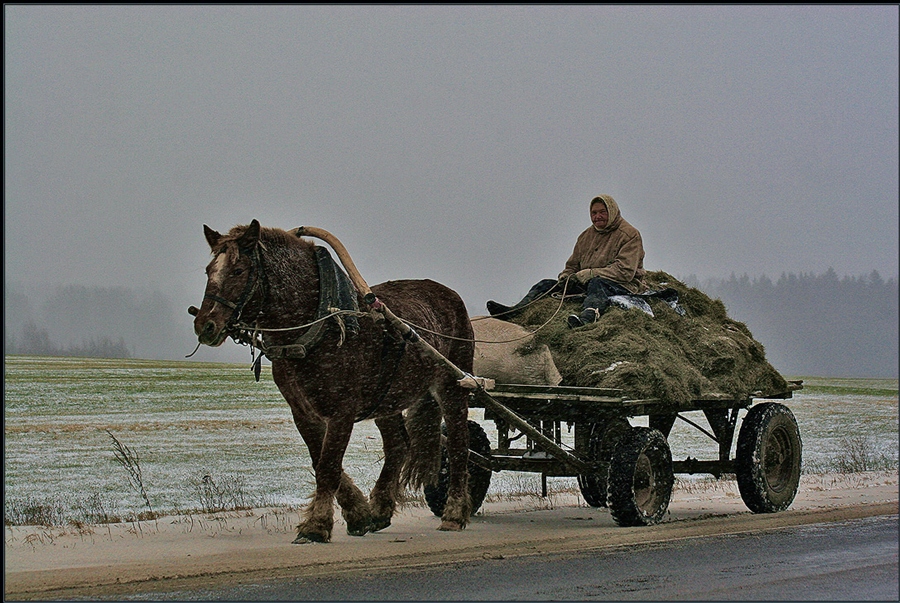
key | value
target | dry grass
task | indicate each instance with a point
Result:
(668, 356)
(856, 454)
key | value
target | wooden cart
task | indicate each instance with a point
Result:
(627, 468)
(630, 468)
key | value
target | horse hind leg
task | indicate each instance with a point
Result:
(455, 409)
(384, 496)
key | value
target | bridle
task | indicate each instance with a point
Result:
(254, 282)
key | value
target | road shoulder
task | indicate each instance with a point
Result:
(184, 552)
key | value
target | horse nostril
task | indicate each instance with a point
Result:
(208, 328)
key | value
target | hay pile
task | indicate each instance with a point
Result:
(669, 356)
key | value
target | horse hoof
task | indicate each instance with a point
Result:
(380, 524)
(451, 526)
(309, 538)
(360, 531)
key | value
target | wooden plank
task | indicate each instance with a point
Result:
(574, 404)
(557, 390)
(647, 402)
(565, 397)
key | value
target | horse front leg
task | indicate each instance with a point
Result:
(312, 429)
(455, 409)
(348, 495)
(318, 519)
(386, 492)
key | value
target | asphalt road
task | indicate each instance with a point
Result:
(848, 560)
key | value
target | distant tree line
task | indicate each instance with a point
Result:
(35, 341)
(817, 324)
(76, 320)
(809, 324)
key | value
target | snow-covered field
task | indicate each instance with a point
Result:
(188, 421)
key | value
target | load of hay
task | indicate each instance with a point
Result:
(666, 356)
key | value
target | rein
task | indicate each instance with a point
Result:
(562, 299)
(252, 335)
(247, 334)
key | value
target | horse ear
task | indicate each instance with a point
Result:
(212, 237)
(250, 237)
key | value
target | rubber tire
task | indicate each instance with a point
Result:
(479, 477)
(768, 458)
(602, 443)
(640, 478)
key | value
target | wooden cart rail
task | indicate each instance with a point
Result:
(592, 404)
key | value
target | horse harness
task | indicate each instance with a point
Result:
(336, 292)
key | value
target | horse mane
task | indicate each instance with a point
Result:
(269, 238)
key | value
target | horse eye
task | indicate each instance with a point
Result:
(238, 271)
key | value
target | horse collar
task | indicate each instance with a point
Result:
(335, 291)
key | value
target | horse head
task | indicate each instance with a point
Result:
(232, 276)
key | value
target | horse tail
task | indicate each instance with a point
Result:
(423, 463)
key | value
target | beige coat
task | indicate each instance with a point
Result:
(615, 253)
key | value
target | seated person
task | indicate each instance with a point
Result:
(608, 259)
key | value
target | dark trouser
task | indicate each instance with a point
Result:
(596, 293)
(508, 312)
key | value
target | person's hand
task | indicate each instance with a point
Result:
(583, 276)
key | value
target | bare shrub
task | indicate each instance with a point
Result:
(94, 509)
(31, 511)
(860, 453)
(131, 462)
(226, 494)
(855, 454)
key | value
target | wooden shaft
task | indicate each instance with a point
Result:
(343, 255)
(522, 425)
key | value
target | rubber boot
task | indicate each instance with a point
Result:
(588, 316)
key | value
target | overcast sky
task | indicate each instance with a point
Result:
(458, 143)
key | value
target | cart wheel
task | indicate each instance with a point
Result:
(479, 477)
(767, 459)
(640, 478)
(602, 442)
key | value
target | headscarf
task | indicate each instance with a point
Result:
(615, 217)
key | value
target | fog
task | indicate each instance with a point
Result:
(457, 143)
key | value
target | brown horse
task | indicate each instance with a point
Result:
(346, 367)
